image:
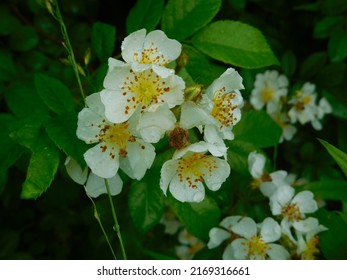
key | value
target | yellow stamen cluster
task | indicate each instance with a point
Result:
(223, 107)
(304, 100)
(116, 137)
(151, 55)
(255, 246)
(267, 93)
(292, 212)
(311, 250)
(143, 88)
(192, 167)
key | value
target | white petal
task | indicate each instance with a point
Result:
(168, 171)
(193, 115)
(163, 72)
(217, 236)
(115, 78)
(256, 100)
(101, 163)
(199, 147)
(217, 176)
(270, 230)
(174, 96)
(229, 222)
(228, 253)
(96, 185)
(154, 125)
(286, 227)
(277, 252)
(246, 228)
(133, 44)
(268, 188)
(305, 202)
(115, 106)
(214, 138)
(278, 177)
(87, 125)
(139, 158)
(94, 103)
(289, 132)
(284, 194)
(256, 163)
(170, 48)
(112, 63)
(182, 192)
(75, 171)
(238, 249)
(230, 80)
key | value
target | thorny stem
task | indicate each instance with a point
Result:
(97, 217)
(57, 15)
(116, 224)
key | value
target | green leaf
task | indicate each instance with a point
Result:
(44, 159)
(146, 204)
(235, 43)
(331, 75)
(288, 63)
(54, 94)
(62, 131)
(337, 46)
(10, 151)
(238, 152)
(21, 99)
(7, 67)
(332, 241)
(8, 22)
(324, 27)
(198, 61)
(312, 64)
(328, 189)
(42, 168)
(339, 156)
(24, 39)
(103, 40)
(257, 128)
(198, 218)
(339, 106)
(182, 18)
(144, 14)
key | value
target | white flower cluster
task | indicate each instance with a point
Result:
(142, 101)
(271, 90)
(256, 241)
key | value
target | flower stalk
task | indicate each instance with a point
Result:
(53, 8)
(116, 224)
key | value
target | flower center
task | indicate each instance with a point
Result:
(311, 250)
(223, 107)
(292, 212)
(116, 137)
(256, 247)
(193, 167)
(151, 55)
(179, 138)
(146, 87)
(304, 100)
(267, 94)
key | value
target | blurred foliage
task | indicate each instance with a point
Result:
(39, 100)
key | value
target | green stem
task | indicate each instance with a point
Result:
(67, 43)
(97, 217)
(116, 224)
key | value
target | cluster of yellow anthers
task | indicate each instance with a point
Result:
(142, 101)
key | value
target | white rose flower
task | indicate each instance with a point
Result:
(117, 146)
